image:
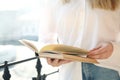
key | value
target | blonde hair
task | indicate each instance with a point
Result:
(65, 1)
(102, 4)
(105, 4)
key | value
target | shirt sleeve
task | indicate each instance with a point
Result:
(112, 62)
(47, 27)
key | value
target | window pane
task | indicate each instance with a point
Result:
(18, 19)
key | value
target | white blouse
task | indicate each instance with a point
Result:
(77, 24)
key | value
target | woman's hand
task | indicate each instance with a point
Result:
(103, 51)
(56, 62)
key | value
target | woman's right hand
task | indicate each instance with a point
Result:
(57, 62)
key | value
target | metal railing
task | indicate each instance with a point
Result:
(7, 75)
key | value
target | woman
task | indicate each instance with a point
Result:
(89, 24)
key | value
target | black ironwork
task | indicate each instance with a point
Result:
(38, 68)
(43, 77)
(17, 62)
(7, 75)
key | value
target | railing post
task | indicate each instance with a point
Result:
(6, 74)
(38, 68)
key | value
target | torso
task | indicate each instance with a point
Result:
(79, 25)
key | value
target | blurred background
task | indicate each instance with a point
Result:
(19, 19)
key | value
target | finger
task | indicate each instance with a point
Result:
(64, 61)
(60, 62)
(53, 62)
(97, 51)
(50, 60)
(94, 49)
(57, 62)
(99, 46)
(99, 57)
(103, 55)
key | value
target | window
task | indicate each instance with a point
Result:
(18, 19)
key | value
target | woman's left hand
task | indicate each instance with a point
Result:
(103, 51)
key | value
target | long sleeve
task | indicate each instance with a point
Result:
(47, 29)
(109, 30)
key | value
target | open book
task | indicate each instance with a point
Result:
(59, 51)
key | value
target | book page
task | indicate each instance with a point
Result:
(51, 54)
(64, 48)
(30, 44)
(81, 59)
